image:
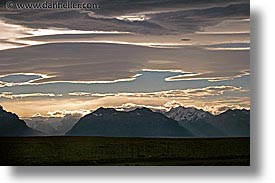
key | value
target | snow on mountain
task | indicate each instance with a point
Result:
(186, 114)
(233, 122)
(200, 123)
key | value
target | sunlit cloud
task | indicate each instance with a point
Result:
(230, 46)
(60, 31)
(10, 33)
(16, 36)
(230, 49)
(224, 33)
(86, 103)
(21, 78)
(211, 77)
(227, 27)
(10, 95)
(188, 93)
(87, 94)
(133, 18)
(62, 113)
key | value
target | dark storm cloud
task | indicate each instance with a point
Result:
(195, 20)
(122, 7)
(164, 17)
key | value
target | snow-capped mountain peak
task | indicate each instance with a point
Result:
(186, 114)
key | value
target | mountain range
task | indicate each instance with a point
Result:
(140, 122)
(54, 126)
(204, 124)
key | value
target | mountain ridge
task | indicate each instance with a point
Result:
(137, 122)
(141, 122)
(12, 125)
(233, 122)
(52, 126)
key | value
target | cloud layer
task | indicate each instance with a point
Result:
(214, 99)
(156, 53)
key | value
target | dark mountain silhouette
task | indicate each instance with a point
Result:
(204, 124)
(233, 122)
(141, 122)
(11, 125)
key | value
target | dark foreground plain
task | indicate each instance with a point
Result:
(124, 151)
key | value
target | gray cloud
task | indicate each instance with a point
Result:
(164, 17)
(108, 62)
(183, 94)
(10, 95)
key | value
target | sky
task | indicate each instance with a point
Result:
(149, 53)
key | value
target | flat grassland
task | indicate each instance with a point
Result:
(124, 151)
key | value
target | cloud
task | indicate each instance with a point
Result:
(231, 99)
(168, 41)
(97, 56)
(132, 19)
(62, 113)
(10, 95)
(217, 109)
(165, 107)
(229, 46)
(162, 17)
(20, 79)
(188, 93)
(87, 94)
(133, 106)
(2, 84)
(110, 62)
(111, 45)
